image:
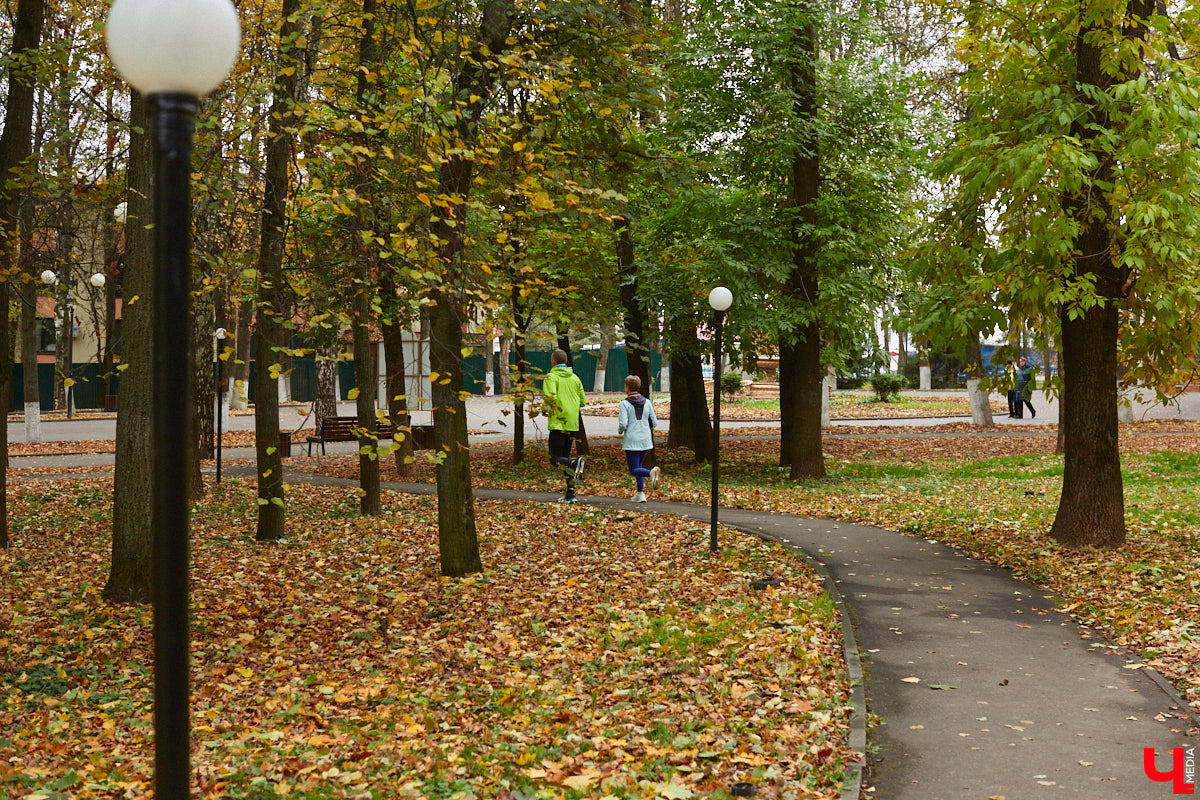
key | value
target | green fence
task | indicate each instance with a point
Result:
(304, 382)
(85, 388)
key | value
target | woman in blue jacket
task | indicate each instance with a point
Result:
(636, 421)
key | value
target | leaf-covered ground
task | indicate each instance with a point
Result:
(599, 654)
(992, 494)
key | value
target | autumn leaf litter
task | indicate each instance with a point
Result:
(598, 654)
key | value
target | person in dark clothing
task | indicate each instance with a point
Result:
(1026, 383)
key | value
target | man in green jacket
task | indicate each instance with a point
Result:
(564, 398)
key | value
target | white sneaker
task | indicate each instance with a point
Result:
(579, 466)
(654, 475)
(640, 497)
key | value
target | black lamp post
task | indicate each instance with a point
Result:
(220, 396)
(720, 299)
(172, 51)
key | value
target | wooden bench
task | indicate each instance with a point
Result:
(344, 429)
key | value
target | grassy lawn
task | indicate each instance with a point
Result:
(599, 654)
(993, 496)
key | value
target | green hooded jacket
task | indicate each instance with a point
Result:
(564, 398)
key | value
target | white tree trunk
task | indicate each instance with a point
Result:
(381, 390)
(828, 384)
(505, 349)
(238, 400)
(981, 409)
(33, 422)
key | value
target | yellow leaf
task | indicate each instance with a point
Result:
(579, 782)
(518, 147)
(352, 394)
(245, 673)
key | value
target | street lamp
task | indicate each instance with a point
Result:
(172, 51)
(720, 299)
(220, 396)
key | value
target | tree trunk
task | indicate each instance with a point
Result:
(325, 403)
(64, 271)
(271, 308)
(129, 576)
(606, 343)
(800, 368)
(520, 392)
(365, 271)
(636, 350)
(397, 393)
(111, 226)
(1091, 509)
(457, 538)
(31, 391)
(203, 400)
(981, 408)
(687, 377)
(697, 401)
(503, 375)
(239, 368)
(458, 542)
(679, 434)
(365, 267)
(800, 357)
(1060, 441)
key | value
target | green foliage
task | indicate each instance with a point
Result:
(731, 384)
(1001, 237)
(887, 386)
(729, 219)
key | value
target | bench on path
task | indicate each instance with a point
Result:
(345, 429)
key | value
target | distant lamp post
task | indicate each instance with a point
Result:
(172, 51)
(220, 396)
(720, 299)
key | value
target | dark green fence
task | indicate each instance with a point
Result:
(304, 381)
(86, 386)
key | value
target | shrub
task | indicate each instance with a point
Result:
(731, 384)
(887, 386)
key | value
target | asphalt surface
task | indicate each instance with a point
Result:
(982, 690)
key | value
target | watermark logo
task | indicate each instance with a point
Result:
(1182, 774)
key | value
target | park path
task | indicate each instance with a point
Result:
(1012, 699)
